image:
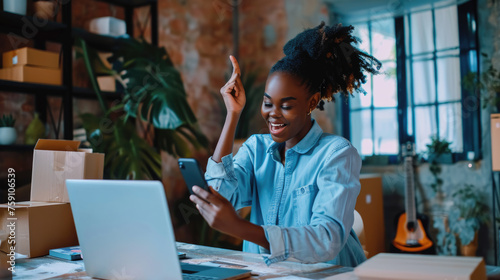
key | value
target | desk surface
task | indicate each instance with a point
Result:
(53, 268)
(56, 269)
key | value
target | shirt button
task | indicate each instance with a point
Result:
(302, 190)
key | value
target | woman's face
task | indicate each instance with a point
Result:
(285, 108)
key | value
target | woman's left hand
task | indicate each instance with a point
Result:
(215, 209)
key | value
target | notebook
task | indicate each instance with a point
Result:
(125, 232)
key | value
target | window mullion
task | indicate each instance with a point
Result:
(401, 81)
(434, 57)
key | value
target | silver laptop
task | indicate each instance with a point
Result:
(125, 232)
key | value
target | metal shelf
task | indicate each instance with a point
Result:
(129, 3)
(88, 93)
(100, 42)
(16, 148)
(29, 27)
(32, 88)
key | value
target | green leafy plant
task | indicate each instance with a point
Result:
(465, 218)
(154, 94)
(446, 240)
(469, 211)
(7, 121)
(486, 84)
(436, 149)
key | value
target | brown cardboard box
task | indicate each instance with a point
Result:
(107, 83)
(32, 74)
(32, 57)
(422, 267)
(495, 141)
(54, 161)
(370, 205)
(39, 227)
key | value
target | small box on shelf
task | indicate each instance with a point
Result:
(32, 66)
(31, 57)
(30, 74)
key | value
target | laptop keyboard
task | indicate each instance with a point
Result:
(195, 277)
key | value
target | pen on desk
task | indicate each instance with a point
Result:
(227, 263)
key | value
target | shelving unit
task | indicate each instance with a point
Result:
(28, 28)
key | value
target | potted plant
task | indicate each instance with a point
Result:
(468, 213)
(8, 133)
(438, 151)
(15, 6)
(464, 219)
(486, 84)
(154, 96)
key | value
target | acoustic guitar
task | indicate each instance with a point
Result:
(411, 235)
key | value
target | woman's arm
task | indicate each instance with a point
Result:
(233, 94)
(220, 215)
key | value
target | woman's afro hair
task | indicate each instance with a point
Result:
(327, 61)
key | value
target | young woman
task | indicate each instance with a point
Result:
(301, 183)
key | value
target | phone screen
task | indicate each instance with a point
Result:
(191, 171)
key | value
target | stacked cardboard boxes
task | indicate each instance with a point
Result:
(46, 222)
(32, 66)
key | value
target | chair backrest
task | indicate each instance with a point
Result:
(359, 229)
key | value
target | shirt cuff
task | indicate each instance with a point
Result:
(277, 245)
(216, 171)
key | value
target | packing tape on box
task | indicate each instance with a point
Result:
(59, 161)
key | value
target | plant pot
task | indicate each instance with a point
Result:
(446, 158)
(15, 6)
(469, 249)
(8, 135)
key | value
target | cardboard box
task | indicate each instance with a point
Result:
(32, 74)
(39, 227)
(370, 205)
(495, 141)
(54, 161)
(421, 267)
(107, 83)
(31, 57)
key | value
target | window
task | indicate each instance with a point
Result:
(375, 114)
(420, 93)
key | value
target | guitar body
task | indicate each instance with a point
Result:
(421, 242)
(412, 228)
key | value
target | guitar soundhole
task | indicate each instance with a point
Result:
(411, 226)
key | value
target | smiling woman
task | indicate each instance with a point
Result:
(301, 183)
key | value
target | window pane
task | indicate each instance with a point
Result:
(446, 27)
(425, 125)
(450, 125)
(424, 87)
(384, 39)
(386, 132)
(361, 31)
(362, 100)
(410, 121)
(361, 132)
(421, 32)
(449, 88)
(385, 86)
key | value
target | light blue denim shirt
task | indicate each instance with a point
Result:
(306, 206)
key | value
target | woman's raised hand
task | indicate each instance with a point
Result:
(233, 92)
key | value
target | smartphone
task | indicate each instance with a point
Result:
(191, 171)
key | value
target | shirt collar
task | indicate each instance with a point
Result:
(305, 144)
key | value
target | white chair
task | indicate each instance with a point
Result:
(359, 229)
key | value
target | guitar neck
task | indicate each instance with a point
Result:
(411, 212)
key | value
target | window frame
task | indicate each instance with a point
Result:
(470, 102)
